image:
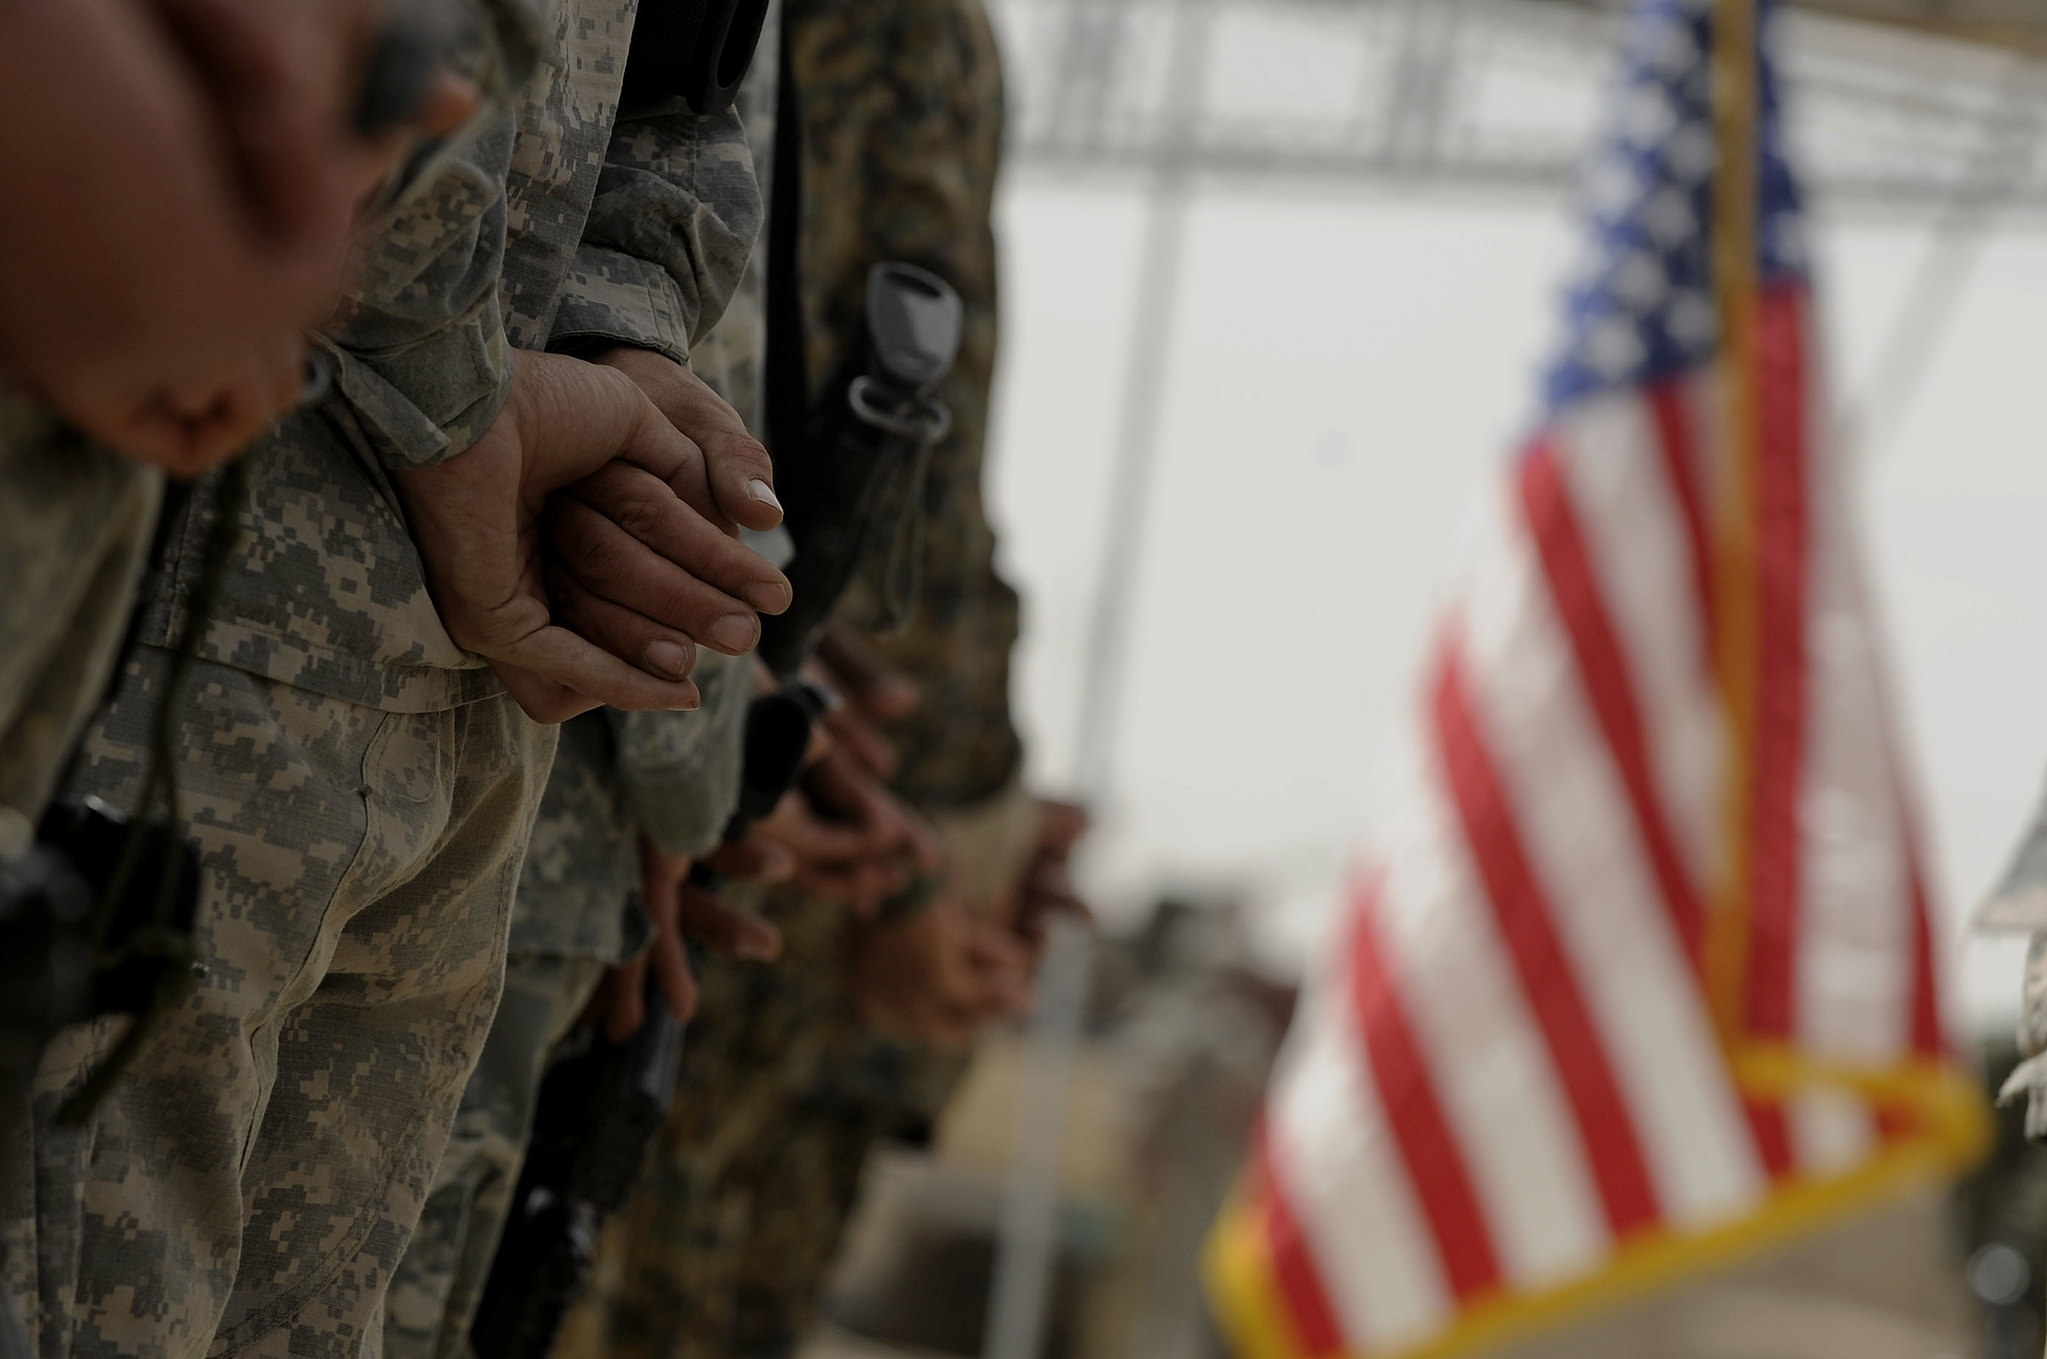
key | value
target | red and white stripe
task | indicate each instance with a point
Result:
(1508, 1067)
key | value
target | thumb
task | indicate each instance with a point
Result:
(742, 477)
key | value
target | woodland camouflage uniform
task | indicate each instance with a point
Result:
(359, 788)
(724, 1248)
(670, 775)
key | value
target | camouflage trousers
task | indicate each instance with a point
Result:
(742, 1266)
(75, 523)
(440, 1282)
(250, 1186)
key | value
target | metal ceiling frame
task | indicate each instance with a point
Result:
(1896, 114)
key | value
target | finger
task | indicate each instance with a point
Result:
(651, 510)
(854, 795)
(542, 700)
(1006, 989)
(660, 651)
(448, 103)
(841, 785)
(947, 1025)
(922, 842)
(561, 658)
(882, 882)
(885, 693)
(612, 563)
(862, 889)
(278, 139)
(627, 1010)
(863, 741)
(661, 877)
(1061, 825)
(836, 889)
(817, 842)
(1041, 901)
(722, 929)
(672, 973)
(755, 859)
(741, 473)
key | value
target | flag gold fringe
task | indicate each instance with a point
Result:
(1952, 1127)
(1948, 1103)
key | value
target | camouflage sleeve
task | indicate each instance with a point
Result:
(419, 348)
(917, 142)
(668, 236)
(679, 771)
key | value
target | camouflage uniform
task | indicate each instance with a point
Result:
(74, 532)
(360, 789)
(727, 1242)
(670, 775)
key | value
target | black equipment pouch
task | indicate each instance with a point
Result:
(599, 1113)
(46, 972)
(856, 477)
(95, 919)
(697, 51)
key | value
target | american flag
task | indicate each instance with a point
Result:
(1634, 973)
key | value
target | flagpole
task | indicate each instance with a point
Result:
(1737, 619)
(1027, 1244)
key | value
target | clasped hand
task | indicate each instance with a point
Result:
(584, 545)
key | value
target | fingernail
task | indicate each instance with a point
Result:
(762, 492)
(734, 632)
(670, 658)
(769, 596)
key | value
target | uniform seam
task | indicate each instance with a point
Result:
(291, 1301)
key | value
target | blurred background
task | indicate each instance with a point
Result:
(1373, 207)
(1279, 275)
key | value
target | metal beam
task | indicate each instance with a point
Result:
(1504, 92)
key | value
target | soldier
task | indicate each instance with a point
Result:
(173, 335)
(794, 1070)
(627, 790)
(359, 784)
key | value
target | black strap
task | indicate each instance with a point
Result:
(786, 382)
(697, 50)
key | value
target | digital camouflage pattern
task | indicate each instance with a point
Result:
(75, 526)
(433, 1300)
(249, 1186)
(723, 1252)
(622, 231)
(729, 359)
(362, 790)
